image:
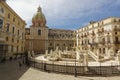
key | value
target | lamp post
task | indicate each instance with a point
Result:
(76, 52)
(75, 69)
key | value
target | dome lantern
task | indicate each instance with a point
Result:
(38, 19)
(39, 9)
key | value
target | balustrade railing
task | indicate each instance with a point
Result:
(75, 69)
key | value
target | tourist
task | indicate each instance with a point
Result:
(20, 64)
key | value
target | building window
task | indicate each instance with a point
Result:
(17, 41)
(8, 16)
(18, 32)
(115, 32)
(88, 41)
(12, 40)
(50, 44)
(1, 23)
(57, 44)
(6, 38)
(22, 35)
(13, 19)
(11, 48)
(39, 32)
(2, 10)
(116, 39)
(7, 26)
(13, 29)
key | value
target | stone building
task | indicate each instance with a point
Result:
(100, 37)
(61, 38)
(12, 30)
(40, 38)
(37, 34)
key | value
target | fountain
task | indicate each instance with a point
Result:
(81, 57)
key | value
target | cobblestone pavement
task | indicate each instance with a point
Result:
(34, 74)
(10, 71)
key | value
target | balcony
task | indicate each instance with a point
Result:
(117, 42)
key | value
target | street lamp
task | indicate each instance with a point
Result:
(75, 69)
(76, 36)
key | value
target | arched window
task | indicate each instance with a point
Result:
(116, 39)
(39, 32)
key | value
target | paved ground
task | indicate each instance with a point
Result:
(34, 74)
(10, 71)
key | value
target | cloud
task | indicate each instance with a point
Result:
(58, 12)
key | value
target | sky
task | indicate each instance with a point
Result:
(66, 14)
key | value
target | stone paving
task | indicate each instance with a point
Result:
(34, 74)
(10, 71)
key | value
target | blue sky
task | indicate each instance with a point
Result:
(67, 14)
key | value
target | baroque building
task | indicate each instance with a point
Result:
(12, 30)
(37, 34)
(100, 37)
(61, 38)
(40, 38)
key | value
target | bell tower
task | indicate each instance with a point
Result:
(39, 32)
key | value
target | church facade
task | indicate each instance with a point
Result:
(40, 38)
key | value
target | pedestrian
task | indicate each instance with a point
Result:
(20, 64)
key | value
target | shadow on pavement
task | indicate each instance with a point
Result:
(10, 70)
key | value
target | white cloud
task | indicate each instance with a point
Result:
(57, 9)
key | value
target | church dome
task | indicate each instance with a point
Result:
(38, 19)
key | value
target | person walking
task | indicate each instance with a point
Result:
(20, 65)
